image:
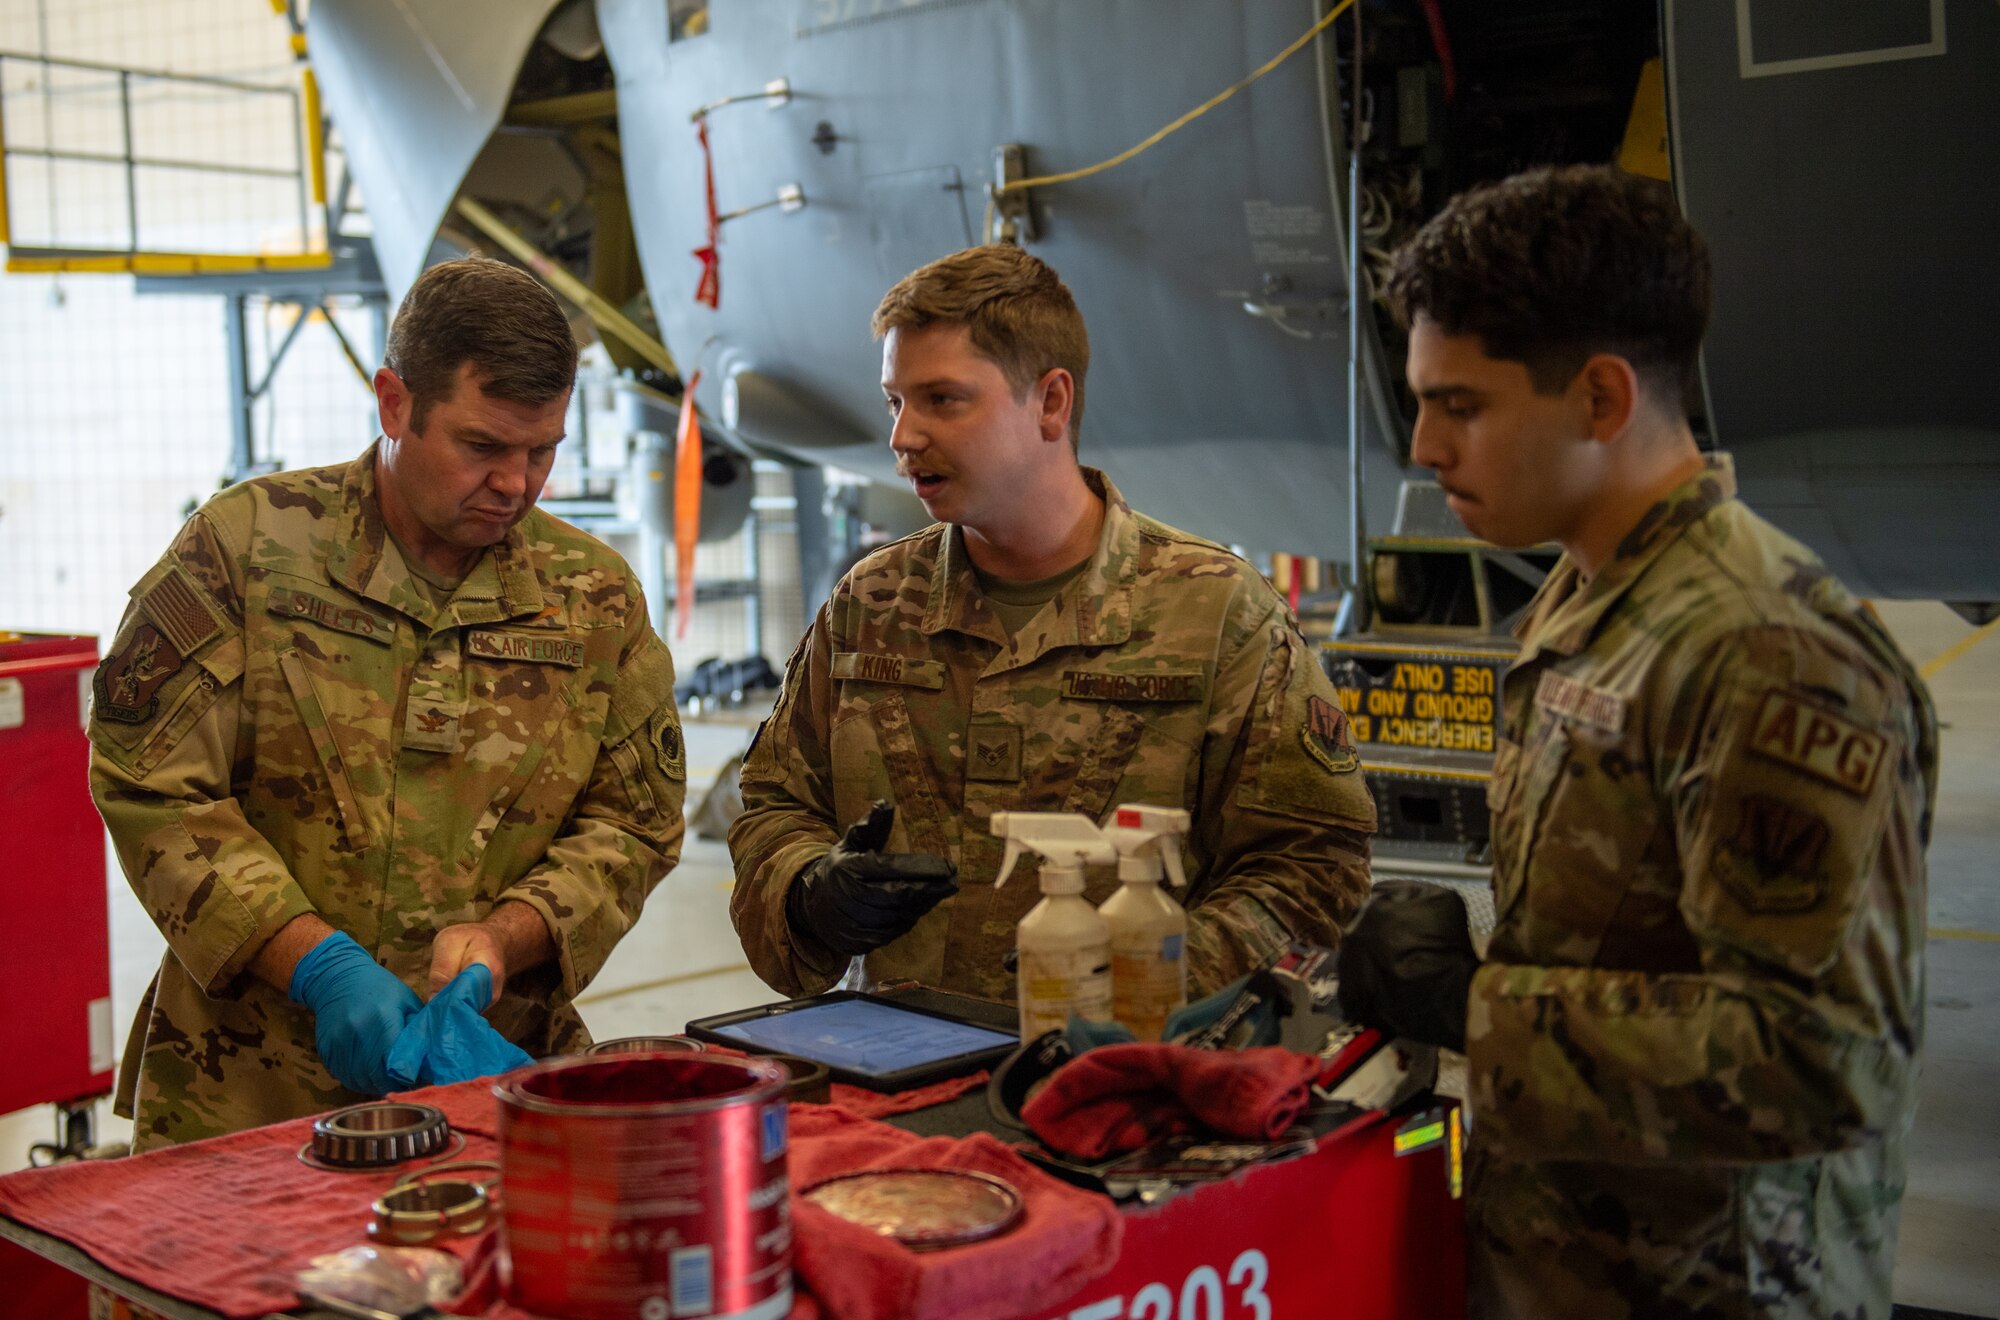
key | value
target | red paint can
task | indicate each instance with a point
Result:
(645, 1187)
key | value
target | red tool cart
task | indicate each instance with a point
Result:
(55, 966)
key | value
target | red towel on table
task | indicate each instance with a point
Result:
(1118, 1098)
(225, 1223)
(1066, 1238)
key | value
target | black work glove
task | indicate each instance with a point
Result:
(857, 898)
(1406, 963)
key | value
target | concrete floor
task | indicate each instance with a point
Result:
(683, 961)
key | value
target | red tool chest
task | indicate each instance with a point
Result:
(55, 952)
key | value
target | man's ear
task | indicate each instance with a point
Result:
(1611, 392)
(393, 404)
(1058, 395)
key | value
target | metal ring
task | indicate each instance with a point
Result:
(416, 1177)
(311, 1159)
(419, 1214)
(379, 1133)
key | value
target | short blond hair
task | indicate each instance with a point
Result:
(1019, 312)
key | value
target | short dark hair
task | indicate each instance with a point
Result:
(1019, 311)
(1555, 264)
(493, 315)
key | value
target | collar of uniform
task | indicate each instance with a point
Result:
(1566, 611)
(501, 585)
(357, 544)
(1096, 607)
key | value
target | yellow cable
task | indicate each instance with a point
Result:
(1957, 649)
(1162, 135)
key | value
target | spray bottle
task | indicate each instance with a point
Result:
(1063, 945)
(1148, 928)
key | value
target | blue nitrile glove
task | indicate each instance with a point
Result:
(358, 1008)
(1242, 1014)
(1084, 1035)
(449, 1041)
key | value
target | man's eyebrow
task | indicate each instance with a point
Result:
(939, 382)
(1442, 391)
(487, 437)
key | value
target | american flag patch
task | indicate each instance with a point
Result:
(178, 609)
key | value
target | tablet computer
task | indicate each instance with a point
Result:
(880, 1043)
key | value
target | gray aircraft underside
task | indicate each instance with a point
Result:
(1843, 169)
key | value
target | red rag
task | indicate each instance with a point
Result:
(863, 1103)
(1117, 1098)
(228, 1222)
(1065, 1238)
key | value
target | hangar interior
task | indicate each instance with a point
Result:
(128, 396)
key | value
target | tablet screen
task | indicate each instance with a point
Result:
(866, 1036)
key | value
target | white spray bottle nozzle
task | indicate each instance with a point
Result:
(1065, 840)
(1144, 835)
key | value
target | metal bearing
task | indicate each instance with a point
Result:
(378, 1134)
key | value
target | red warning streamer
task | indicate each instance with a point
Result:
(687, 508)
(709, 290)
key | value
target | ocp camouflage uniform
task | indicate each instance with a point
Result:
(286, 724)
(1694, 1045)
(1168, 672)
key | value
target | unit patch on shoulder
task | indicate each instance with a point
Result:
(130, 678)
(1326, 738)
(1817, 742)
(1774, 859)
(668, 745)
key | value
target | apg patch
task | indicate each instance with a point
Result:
(1774, 860)
(993, 752)
(1817, 742)
(1326, 737)
(129, 680)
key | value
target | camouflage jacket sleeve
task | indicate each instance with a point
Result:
(625, 830)
(787, 821)
(1795, 778)
(163, 732)
(1284, 814)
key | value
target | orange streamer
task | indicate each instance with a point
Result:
(687, 507)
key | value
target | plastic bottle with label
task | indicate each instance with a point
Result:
(1063, 946)
(1148, 928)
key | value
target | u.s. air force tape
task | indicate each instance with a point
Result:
(1086, 685)
(494, 645)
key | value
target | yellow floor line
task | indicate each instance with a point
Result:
(1982, 936)
(1951, 653)
(661, 984)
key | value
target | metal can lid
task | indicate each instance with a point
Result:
(922, 1208)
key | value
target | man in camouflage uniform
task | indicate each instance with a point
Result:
(389, 703)
(1042, 648)
(1694, 1042)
